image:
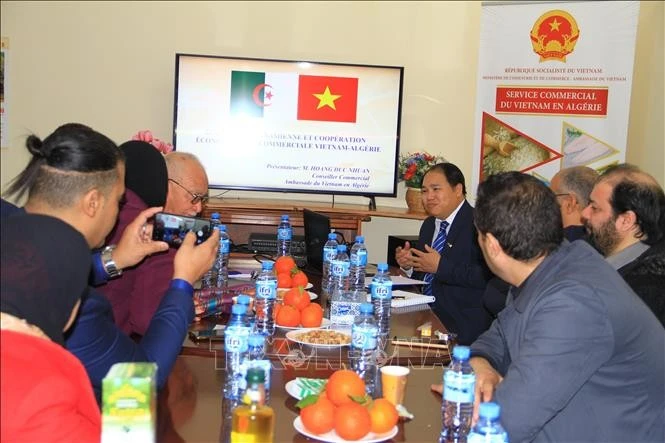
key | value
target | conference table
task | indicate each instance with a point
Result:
(191, 405)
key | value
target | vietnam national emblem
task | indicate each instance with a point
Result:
(554, 35)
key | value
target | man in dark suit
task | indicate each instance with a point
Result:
(449, 259)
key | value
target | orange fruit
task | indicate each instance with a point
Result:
(319, 417)
(288, 316)
(299, 279)
(342, 384)
(284, 280)
(285, 263)
(297, 297)
(311, 316)
(278, 306)
(352, 421)
(383, 415)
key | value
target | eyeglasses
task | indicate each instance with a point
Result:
(196, 198)
(562, 195)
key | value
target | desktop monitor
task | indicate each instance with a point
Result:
(317, 228)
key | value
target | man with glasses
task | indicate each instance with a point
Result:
(572, 187)
(188, 185)
(186, 195)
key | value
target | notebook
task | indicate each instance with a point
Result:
(403, 298)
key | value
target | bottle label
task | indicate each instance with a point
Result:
(359, 258)
(364, 338)
(340, 268)
(236, 339)
(344, 313)
(284, 234)
(475, 437)
(266, 289)
(329, 254)
(458, 388)
(382, 290)
(224, 246)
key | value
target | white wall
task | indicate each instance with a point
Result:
(111, 65)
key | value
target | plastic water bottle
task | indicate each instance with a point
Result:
(250, 318)
(340, 269)
(222, 260)
(459, 383)
(210, 277)
(358, 259)
(344, 302)
(488, 429)
(236, 344)
(256, 357)
(364, 342)
(329, 253)
(381, 289)
(284, 234)
(266, 294)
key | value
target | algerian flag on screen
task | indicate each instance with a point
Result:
(264, 94)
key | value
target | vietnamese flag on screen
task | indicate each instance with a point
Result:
(333, 99)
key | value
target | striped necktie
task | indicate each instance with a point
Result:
(439, 241)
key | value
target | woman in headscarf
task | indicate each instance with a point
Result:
(46, 393)
(146, 185)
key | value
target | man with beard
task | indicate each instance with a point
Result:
(625, 219)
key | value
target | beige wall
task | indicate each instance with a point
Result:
(111, 65)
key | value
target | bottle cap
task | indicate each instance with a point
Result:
(222, 228)
(238, 309)
(267, 265)
(360, 239)
(214, 216)
(461, 352)
(382, 267)
(216, 227)
(243, 299)
(489, 410)
(285, 217)
(255, 375)
(341, 248)
(257, 340)
(332, 236)
(366, 308)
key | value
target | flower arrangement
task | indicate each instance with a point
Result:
(146, 136)
(412, 167)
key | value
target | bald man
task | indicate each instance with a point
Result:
(572, 187)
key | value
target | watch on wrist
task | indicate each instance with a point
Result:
(107, 261)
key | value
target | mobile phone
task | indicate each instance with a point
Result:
(172, 228)
(216, 333)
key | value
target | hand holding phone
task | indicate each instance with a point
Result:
(192, 261)
(172, 228)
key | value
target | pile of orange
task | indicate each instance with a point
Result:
(344, 407)
(296, 309)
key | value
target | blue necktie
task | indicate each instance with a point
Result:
(439, 241)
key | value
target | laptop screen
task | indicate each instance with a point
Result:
(317, 228)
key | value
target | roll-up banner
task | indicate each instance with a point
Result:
(554, 82)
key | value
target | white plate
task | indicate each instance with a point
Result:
(292, 389)
(325, 323)
(291, 335)
(312, 295)
(307, 286)
(332, 437)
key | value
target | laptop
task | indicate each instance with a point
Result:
(317, 228)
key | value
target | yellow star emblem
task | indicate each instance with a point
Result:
(554, 25)
(326, 99)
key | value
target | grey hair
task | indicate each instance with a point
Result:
(579, 180)
(175, 161)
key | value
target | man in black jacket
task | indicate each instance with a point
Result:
(625, 219)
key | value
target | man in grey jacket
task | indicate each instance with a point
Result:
(575, 355)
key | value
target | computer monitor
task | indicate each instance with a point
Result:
(317, 228)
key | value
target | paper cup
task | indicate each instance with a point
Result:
(393, 380)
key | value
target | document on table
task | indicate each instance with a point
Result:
(398, 280)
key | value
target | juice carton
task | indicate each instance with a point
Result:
(129, 409)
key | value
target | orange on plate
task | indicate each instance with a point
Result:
(288, 316)
(319, 417)
(297, 297)
(285, 263)
(311, 316)
(299, 279)
(284, 280)
(383, 415)
(352, 421)
(342, 384)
